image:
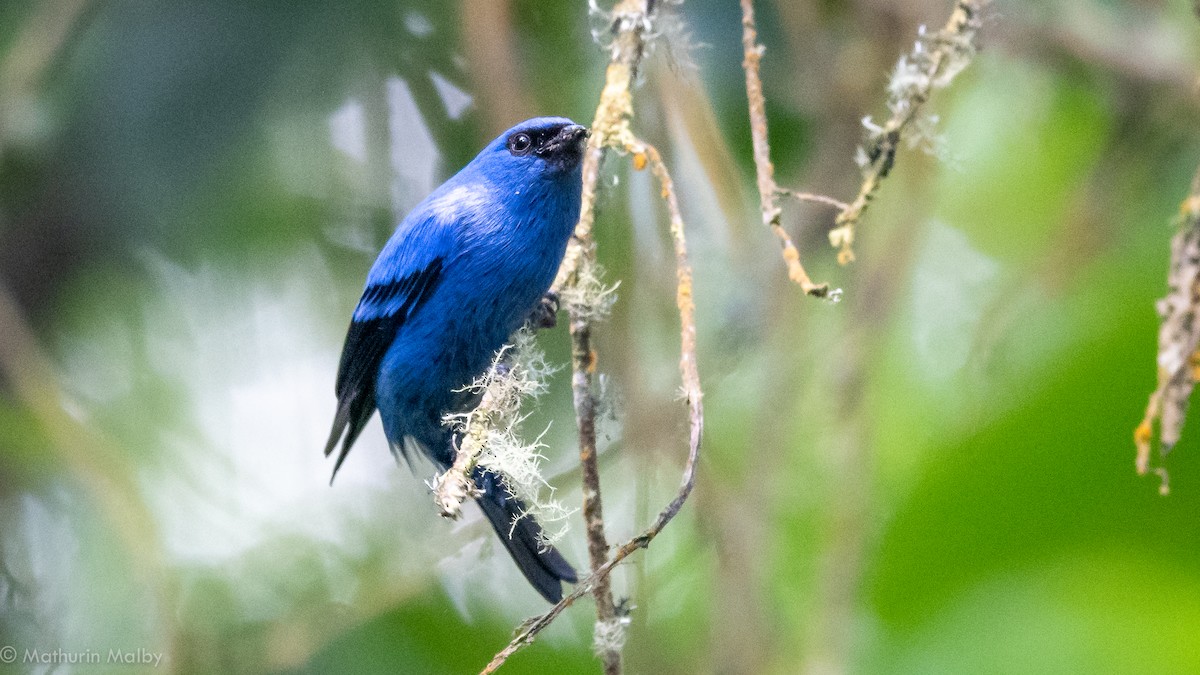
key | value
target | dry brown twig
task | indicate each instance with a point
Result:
(768, 190)
(631, 23)
(1178, 340)
(932, 64)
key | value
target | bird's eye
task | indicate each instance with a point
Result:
(520, 144)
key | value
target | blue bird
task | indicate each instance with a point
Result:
(464, 270)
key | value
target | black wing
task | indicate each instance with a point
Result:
(381, 312)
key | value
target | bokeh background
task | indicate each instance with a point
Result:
(934, 475)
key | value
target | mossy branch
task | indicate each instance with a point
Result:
(490, 436)
(1178, 342)
(631, 23)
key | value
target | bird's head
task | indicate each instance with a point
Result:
(543, 145)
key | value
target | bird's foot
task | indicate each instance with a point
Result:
(545, 314)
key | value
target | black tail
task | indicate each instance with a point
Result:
(545, 569)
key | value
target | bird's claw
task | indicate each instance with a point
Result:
(545, 314)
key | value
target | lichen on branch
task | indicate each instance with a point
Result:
(1178, 341)
(936, 58)
(490, 436)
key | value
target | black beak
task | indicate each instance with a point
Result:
(574, 133)
(569, 142)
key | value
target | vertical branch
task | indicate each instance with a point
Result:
(630, 20)
(1178, 342)
(631, 24)
(768, 190)
(583, 369)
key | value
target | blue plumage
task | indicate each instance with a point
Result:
(463, 271)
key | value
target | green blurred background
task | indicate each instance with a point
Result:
(933, 476)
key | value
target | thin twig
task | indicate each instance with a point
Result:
(932, 64)
(688, 368)
(810, 197)
(768, 190)
(1178, 341)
